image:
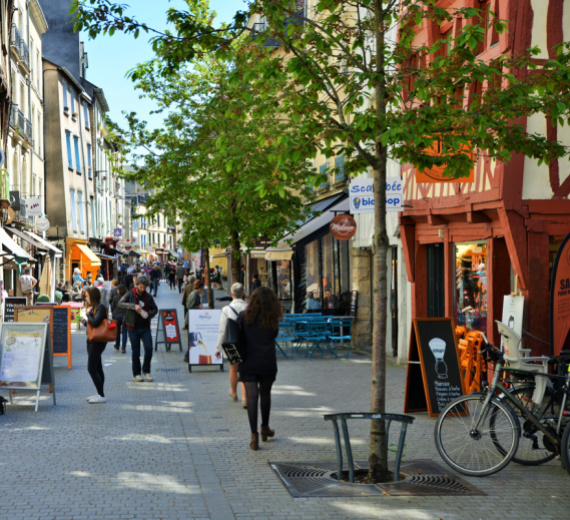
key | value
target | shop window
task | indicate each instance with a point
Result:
(312, 271)
(283, 279)
(471, 285)
(328, 285)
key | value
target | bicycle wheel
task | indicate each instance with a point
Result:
(473, 451)
(532, 449)
(565, 447)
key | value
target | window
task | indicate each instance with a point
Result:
(40, 130)
(323, 171)
(72, 96)
(86, 115)
(65, 100)
(69, 156)
(80, 210)
(73, 210)
(76, 146)
(158, 221)
(92, 217)
(339, 174)
(89, 166)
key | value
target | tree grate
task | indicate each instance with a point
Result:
(420, 477)
(169, 370)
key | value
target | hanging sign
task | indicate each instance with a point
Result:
(343, 227)
(203, 326)
(33, 207)
(560, 299)
(42, 224)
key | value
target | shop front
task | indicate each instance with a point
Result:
(79, 254)
(12, 259)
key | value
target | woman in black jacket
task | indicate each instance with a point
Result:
(96, 313)
(119, 315)
(259, 324)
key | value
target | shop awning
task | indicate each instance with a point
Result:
(35, 240)
(134, 253)
(122, 252)
(13, 248)
(90, 255)
(105, 257)
(173, 253)
(317, 223)
(257, 253)
(278, 254)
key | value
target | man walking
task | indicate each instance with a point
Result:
(180, 273)
(140, 308)
(27, 284)
(155, 276)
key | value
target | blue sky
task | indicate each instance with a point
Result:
(110, 57)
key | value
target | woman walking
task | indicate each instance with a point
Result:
(96, 313)
(260, 325)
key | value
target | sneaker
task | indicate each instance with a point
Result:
(148, 377)
(97, 400)
(92, 397)
(117, 349)
(138, 379)
(123, 351)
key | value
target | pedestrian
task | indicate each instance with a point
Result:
(194, 301)
(96, 313)
(100, 284)
(140, 308)
(119, 315)
(242, 275)
(231, 312)
(259, 324)
(255, 282)
(155, 275)
(89, 280)
(112, 293)
(188, 288)
(172, 277)
(27, 284)
(77, 276)
(180, 273)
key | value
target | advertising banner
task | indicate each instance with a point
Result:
(362, 195)
(560, 298)
(203, 326)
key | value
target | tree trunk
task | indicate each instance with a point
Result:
(378, 459)
(207, 281)
(236, 255)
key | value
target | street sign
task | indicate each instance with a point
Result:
(117, 232)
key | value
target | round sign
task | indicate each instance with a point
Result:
(42, 224)
(343, 227)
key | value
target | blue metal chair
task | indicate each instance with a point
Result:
(341, 334)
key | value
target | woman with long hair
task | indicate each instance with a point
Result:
(259, 324)
(96, 313)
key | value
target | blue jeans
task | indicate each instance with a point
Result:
(155, 286)
(121, 331)
(136, 336)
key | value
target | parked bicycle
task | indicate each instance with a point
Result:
(479, 434)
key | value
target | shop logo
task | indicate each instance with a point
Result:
(357, 202)
(343, 227)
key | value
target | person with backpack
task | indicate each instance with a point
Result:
(231, 312)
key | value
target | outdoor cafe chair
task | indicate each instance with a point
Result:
(341, 334)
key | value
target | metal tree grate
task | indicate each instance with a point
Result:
(421, 477)
(169, 370)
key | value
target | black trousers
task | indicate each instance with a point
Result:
(95, 365)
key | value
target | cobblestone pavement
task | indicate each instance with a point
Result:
(177, 448)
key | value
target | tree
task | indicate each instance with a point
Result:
(215, 162)
(369, 90)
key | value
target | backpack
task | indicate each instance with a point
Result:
(231, 342)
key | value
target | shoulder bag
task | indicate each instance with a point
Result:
(231, 343)
(106, 332)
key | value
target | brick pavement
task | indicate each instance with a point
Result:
(177, 448)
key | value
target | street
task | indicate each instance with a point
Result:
(177, 448)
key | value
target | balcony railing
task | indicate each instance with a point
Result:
(20, 47)
(22, 125)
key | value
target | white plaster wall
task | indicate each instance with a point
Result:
(540, 8)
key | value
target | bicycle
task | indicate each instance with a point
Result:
(479, 434)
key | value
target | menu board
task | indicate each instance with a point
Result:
(433, 375)
(167, 329)
(203, 327)
(10, 303)
(58, 318)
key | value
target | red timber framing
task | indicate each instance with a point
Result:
(517, 230)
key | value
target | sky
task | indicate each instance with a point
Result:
(111, 57)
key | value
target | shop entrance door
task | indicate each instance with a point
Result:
(435, 281)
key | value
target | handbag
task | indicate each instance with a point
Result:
(106, 332)
(231, 341)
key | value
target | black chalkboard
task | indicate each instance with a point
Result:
(61, 330)
(433, 349)
(10, 303)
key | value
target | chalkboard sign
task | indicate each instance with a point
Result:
(10, 303)
(61, 332)
(58, 319)
(433, 374)
(25, 358)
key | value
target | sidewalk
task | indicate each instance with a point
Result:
(177, 448)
